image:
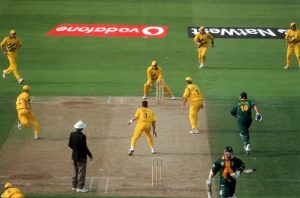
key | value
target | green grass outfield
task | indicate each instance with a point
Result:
(98, 66)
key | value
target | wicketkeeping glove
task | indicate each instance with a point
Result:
(258, 117)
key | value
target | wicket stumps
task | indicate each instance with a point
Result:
(156, 171)
(160, 90)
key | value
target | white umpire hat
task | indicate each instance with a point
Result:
(79, 125)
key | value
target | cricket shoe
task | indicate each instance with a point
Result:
(73, 188)
(201, 65)
(3, 74)
(286, 67)
(82, 190)
(130, 152)
(144, 97)
(247, 149)
(153, 151)
(194, 131)
(21, 80)
(37, 137)
(173, 98)
(19, 126)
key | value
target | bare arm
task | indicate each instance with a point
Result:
(183, 104)
(134, 118)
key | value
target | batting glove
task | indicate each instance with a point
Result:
(235, 175)
(258, 117)
(208, 182)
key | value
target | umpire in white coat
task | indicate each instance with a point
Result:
(77, 142)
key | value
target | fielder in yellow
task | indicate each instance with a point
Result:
(202, 39)
(11, 192)
(155, 75)
(195, 97)
(25, 113)
(9, 47)
(146, 120)
(292, 38)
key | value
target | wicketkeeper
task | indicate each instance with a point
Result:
(154, 75)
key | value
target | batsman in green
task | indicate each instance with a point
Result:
(242, 111)
(230, 168)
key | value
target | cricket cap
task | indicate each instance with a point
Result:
(26, 88)
(13, 31)
(293, 24)
(202, 28)
(243, 95)
(154, 63)
(188, 78)
(8, 185)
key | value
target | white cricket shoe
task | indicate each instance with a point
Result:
(194, 131)
(173, 98)
(19, 126)
(82, 190)
(144, 97)
(286, 67)
(37, 137)
(247, 149)
(201, 65)
(153, 151)
(21, 80)
(73, 188)
(130, 152)
(3, 74)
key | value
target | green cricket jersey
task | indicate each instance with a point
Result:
(243, 109)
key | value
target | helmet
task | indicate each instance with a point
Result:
(189, 78)
(228, 149)
(154, 63)
(79, 125)
(243, 95)
(8, 185)
(26, 88)
(13, 31)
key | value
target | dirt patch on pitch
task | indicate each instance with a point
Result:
(45, 166)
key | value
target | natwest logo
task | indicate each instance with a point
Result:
(109, 30)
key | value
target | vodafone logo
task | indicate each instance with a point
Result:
(109, 30)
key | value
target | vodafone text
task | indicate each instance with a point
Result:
(109, 30)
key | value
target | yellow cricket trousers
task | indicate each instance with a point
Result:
(293, 49)
(12, 58)
(202, 54)
(27, 117)
(195, 106)
(152, 83)
(139, 129)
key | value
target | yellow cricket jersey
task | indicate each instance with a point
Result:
(154, 74)
(193, 93)
(11, 44)
(292, 37)
(19, 103)
(203, 39)
(12, 192)
(145, 115)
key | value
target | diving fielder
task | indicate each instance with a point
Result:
(202, 39)
(25, 113)
(292, 38)
(154, 74)
(146, 120)
(230, 169)
(9, 47)
(195, 97)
